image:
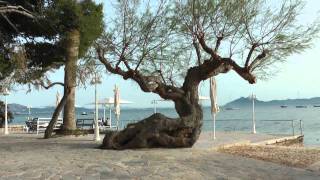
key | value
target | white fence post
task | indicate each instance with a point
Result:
(37, 126)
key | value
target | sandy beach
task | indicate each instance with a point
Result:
(25, 156)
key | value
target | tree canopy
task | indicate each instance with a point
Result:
(169, 46)
(38, 43)
(167, 37)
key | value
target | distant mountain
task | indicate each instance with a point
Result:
(17, 108)
(21, 109)
(288, 102)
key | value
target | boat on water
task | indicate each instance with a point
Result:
(316, 105)
(301, 106)
(283, 106)
(232, 109)
(84, 113)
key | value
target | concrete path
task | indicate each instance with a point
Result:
(29, 157)
(227, 138)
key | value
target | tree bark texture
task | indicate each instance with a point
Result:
(160, 131)
(72, 48)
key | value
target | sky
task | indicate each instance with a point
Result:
(299, 77)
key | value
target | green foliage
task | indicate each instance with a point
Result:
(91, 25)
(38, 44)
(86, 16)
(162, 39)
(5, 68)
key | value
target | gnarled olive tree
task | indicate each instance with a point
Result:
(169, 47)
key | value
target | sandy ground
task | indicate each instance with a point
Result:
(290, 156)
(29, 157)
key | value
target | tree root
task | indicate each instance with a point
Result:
(156, 131)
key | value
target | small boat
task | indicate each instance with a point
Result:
(283, 106)
(232, 109)
(84, 113)
(316, 105)
(301, 106)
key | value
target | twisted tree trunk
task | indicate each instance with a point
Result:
(161, 131)
(72, 45)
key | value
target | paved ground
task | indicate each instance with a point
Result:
(28, 157)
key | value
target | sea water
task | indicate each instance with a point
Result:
(269, 120)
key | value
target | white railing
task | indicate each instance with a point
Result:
(41, 124)
(295, 125)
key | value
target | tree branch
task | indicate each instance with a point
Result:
(16, 9)
(254, 45)
(219, 39)
(211, 68)
(51, 85)
(257, 59)
(146, 83)
(205, 47)
(196, 46)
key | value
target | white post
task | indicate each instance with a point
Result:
(117, 123)
(110, 114)
(6, 132)
(96, 127)
(104, 113)
(214, 125)
(37, 126)
(155, 106)
(253, 116)
(29, 109)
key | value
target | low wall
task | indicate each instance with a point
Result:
(284, 141)
(14, 129)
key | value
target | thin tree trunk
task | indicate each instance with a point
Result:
(72, 45)
(55, 116)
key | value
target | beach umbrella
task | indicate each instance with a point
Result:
(214, 105)
(108, 102)
(58, 98)
(203, 98)
(117, 104)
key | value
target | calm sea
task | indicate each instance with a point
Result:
(233, 120)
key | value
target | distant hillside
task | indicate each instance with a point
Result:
(17, 107)
(289, 102)
(21, 109)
